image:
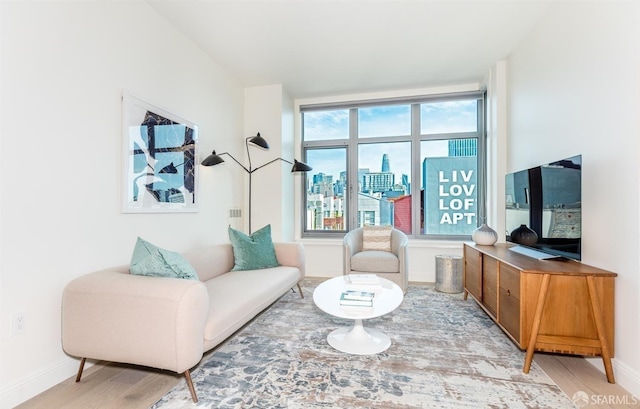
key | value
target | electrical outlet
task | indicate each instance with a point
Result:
(18, 323)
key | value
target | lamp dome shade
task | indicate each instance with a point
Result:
(300, 167)
(213, 159)
(259, 141)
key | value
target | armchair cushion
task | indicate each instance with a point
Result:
(376, 238)
(375, 262)
(151, 260)
(253, 252)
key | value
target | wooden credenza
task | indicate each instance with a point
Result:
(544, 305)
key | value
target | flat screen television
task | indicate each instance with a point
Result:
(547, 199)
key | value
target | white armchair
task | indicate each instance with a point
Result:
(391, 265)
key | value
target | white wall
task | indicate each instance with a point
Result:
(63, 68)
(573, 89)
(269, 110)
(496, 85)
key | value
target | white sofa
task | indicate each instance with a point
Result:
(168, 323)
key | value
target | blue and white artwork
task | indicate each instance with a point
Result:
(160, 160)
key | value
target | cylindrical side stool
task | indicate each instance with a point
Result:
(449, 274)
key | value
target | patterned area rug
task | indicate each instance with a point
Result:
(445, 353)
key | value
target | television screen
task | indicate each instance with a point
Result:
(547, 199)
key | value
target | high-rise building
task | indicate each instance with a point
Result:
(405, 183)
(463, 147)
(318, 177)
(378, 182)
(361, 173)
(322, 184)
(385, 163)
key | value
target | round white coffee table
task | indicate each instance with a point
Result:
(357, 339)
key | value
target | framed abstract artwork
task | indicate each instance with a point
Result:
(160, 173)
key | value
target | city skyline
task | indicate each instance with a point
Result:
(332, 163)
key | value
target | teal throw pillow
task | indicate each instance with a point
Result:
(150, 260)
(253, 252)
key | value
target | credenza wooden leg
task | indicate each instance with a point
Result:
(597, 316)
(466, 293)
(542, 298)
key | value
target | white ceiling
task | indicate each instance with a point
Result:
(332, 47)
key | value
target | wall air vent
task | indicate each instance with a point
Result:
(235, 218)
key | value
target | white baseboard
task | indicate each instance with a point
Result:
(24, 389)
(626, 377)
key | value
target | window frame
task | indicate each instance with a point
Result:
(415, 139)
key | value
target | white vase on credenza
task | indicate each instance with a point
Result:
(484, 235)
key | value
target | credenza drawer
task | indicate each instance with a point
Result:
(490, 284)
(473, 272)
(509, 315)
(510, 280)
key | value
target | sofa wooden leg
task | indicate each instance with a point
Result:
(79, 375)
(187, 377)
(300, 289)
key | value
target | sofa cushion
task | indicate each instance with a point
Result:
(376, 238)
(253, 252)
(235, 298)
(375, 262)
(151, 260)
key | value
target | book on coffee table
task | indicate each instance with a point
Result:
(358, 295)
(357, 298)
(364, 279)
(363, 282)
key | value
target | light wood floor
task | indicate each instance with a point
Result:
(115, 386)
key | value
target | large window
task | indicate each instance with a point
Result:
(411, 164)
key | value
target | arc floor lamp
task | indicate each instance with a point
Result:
(215, 159)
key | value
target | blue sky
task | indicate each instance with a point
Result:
(393, 120)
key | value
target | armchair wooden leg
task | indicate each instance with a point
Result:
(187, 377)
(79, 375)
(300, 289)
